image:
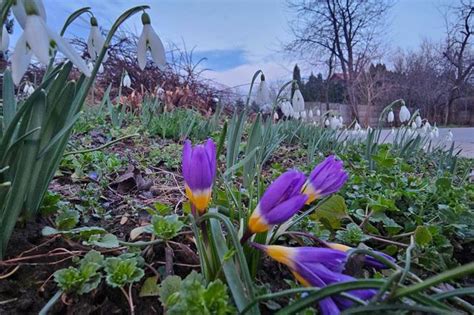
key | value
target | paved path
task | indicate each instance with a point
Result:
(463, 138)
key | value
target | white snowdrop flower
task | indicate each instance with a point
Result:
(160, 93)
(334, 123)
(5, 39)
(341, 120)
(39, 40)
(432, 134)
(127, 82)
(90, 65)
(426, 126)
(95, 41)
(310, 114)
(413, 125)
(404, 114)
(390, 116)
(296, 115)
(392, 131)
(418, 121)
(326, 122)
(101, 69)
(262, 96)
(303, 115)
(149, 40)
(286, 108)
(275, 116)
(298, 101)
(215, 100)
(30, 90)
(20, 14)
(318, 112)
(449, 136)
(26, 87)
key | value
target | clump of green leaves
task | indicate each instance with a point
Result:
(83, 279)
(192, 296)
(67, 219)
(165, 227)
(122, 270)
(353, 234)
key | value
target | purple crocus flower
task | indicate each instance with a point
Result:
(317, 267)
(199, 170)
(326, 178)
(281, 200)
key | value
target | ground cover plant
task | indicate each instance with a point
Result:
(154, 210)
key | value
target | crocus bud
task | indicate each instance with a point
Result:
(199, 170)
(326, 178)
(317, 267)
(281, 200)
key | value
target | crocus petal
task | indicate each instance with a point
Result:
(257, 222)
(211, 153)
(285, 210)
(200, 174)
(37, 38)
(283, 187)
(156, 47)
(186, 164)
(142, 48)
(332, 259)
(69, 52)
(21, 59)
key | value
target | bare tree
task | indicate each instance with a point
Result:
(459, 53)
(348, 29)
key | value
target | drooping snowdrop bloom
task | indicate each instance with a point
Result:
(160, 92)
(426, 126)
(327, 178)
(280, 201)
(327, 123)
(303, 115)
(317, 267)
(28, 89)
(95, 41)
(262, 95)
(334, 122)
(413, 125)
(199, 170)
(296, 115)
(418, 121)
(318, 112)
(435, 131)
(149, 40)
(5, 39)
(275, 116)
(390, 117)
(449, 136)
(286, 108)
(127, 82)
(310, 114)
(298, 101)
(404, 114)
(39, 40)
(341, 120)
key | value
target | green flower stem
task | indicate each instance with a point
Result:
(430, 282)
(102, 146)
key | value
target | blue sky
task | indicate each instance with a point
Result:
(239, 37)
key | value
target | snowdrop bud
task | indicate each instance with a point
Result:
(149, 40)
(296, 115)
(262, 96)
(303, 115)
(5, 39)
(418, 121)
(318, 112)
(127, 82)
(310, 114)
(275, 116)
(436, 132)
(298, 101)
(404, 114)
(413, 125)
(31, 89)
(390, 117)
(95, 41)
(449, 136)
(26, 87)
(426, 126)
